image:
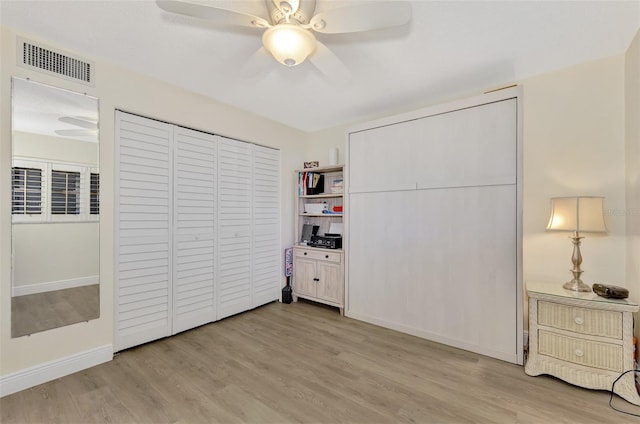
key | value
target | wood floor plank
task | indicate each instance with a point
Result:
(304, 363)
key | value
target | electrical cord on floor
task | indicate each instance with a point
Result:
(611, 394)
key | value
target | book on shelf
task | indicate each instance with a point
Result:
(310, 183)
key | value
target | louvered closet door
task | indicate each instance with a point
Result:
(266, 225)
(234, 227)
(194, 235)
(142, 230)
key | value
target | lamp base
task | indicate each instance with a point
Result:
(576, 285)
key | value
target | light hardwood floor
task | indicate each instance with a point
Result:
(304, 363)
(33, 313)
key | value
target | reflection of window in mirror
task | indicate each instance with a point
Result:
(42, 190)
(26, 191)
(55, 189)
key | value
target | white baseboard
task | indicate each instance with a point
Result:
(29, 377)
(460, 344)
(54, 285)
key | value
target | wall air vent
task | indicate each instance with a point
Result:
(54, 62)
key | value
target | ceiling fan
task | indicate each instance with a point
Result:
(289, 31)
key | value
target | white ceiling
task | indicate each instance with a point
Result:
(450, 49)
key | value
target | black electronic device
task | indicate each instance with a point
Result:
(611, 292)
(326, 241)
(308, 231)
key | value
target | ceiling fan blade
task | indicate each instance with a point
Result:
(212, 13)
(360, 18)
(259, 63)
(329, 65)
(78, 122)
(75, 133)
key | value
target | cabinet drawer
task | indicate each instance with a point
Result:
(317, 254)
(605, 356)
(580, 320)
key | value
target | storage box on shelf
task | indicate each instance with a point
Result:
(319, 272)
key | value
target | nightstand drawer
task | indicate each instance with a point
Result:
(580, 320)
(605, 356)
(319, 254)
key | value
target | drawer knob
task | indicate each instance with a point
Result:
(326, 256)
(579, 353)
(305, 253)
(579, 320)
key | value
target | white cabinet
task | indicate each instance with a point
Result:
(581, 338)
(318, 276)
(197, 228)
(434, 206)
(319, 272)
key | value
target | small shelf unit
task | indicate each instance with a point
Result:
(331, 175)
(318, 273)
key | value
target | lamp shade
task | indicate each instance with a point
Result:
(580, 213)
(289, 44)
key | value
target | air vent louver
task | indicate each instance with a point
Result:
(55, 62)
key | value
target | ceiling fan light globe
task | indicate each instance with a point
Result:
(289, 44)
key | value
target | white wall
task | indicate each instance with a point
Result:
(53, 252)
(118, 88)
(574, 145)
(54, 148)
(632, 125)
(319, 143)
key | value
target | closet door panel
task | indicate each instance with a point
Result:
(383, 245)
(468, 266)
(195, 165)
(234, 232)
(143, 236)
(440, 264)
(468, 147)
(378, 159)
(266, 255)
(465, 147)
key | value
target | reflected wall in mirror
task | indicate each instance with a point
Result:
(55, 208)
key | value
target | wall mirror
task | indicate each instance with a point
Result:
(55, 208)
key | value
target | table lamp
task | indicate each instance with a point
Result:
(577, 214)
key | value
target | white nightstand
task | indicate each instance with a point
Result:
(582, 338)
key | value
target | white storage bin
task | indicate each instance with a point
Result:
(315, 207)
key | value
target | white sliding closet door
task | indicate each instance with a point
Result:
(197, 228)
(267, 259)
(194, 194)
(234, 232)
(143, 230)
(433, 227)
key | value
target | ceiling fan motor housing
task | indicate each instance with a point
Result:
(298, 10)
